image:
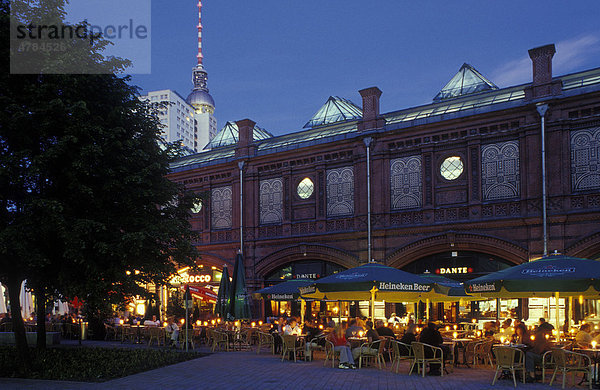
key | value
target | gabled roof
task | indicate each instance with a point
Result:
(468, 80)
(229, 135)
(335, 109)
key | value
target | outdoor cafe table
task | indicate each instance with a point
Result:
(356, 342)
(138, 333)
(459, 344)
(594, 354)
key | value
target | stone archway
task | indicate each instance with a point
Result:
(587, 247)
(451, 241)
(300, 252)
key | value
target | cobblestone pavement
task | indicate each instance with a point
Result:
(247, 370)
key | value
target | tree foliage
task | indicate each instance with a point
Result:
(83, 189)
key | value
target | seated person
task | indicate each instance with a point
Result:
(408, 337)
(173, 331)
(353, 329)
(372, 336)
(545, 326)
(521, 335)
(292, 328)
(383, 330)
(533, 356)
(394, 319)
(584, 336)
(432, 336)
(341, 345)
(152, 322)
(488, 329)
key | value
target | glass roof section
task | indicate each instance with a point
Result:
(338, 130)
(229, 135)
(582, 79)
(335, 109)
(446, 107)
(204, 158)
(468, 80)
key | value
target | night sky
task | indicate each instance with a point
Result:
(277, 61)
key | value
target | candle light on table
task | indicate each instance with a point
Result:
(593, 344)
(455, 335)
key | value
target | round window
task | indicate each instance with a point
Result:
(452, 168)
(197, 207)
(305, 188)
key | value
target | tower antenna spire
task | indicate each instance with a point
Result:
(200, 32)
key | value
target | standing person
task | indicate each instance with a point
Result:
(341, 345)
(432, 336)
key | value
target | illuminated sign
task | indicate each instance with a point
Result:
(306, 276)
(185, 279)
(454, 270)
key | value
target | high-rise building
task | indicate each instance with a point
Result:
(190, 121)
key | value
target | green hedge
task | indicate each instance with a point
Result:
(90, 364)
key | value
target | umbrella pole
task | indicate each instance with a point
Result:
(557, 307)
(302, 309)
(427, 310)
(339, 312)
(372, 305)
(570, 312)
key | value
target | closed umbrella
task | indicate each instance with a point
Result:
(222, 305)
(2, 301)
(26, 301)
(239, 298)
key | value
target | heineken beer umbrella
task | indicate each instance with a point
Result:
(285, 291)
(567, 276)
(371, 281)
(239, 299)
(222, 306)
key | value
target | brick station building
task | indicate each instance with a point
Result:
(455, 185)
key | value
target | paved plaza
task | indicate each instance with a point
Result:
(247, 370)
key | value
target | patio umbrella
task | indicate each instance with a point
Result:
(554, 275)
(222, 305)
(286, 291)
(568, 276)
(449, 290)
(371, 281)
(239, 298)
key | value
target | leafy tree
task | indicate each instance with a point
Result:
(86, 209)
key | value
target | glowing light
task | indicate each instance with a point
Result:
(547, 336)
(141, 309)
(127, 272)
(502, 339)
(213, 267)
(455, 327)
(205, 323)
(198, 323)
(447, 327)
(593, 344)
(321, 326)
(335, 309)
(260, 323)
(253, 324)
(121, 322)
(478, 333)
(532, 337)
(182, 321)
(455, 335)
(165, 324)
(137, 272)
(473, 320)
(581, 299)
(212, 322)
(360, 333)
(218, 321)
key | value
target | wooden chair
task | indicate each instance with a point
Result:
(510, 359)
(127, 334)
(158, 334)
(291, 344)
(330, 353)
(266, 340)
(421, 361)
(220, 340)
(372, 352)
(547, 364)
(110, 331)
(190, 338)
(400, 351)
(483, 351)
(571, 362)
